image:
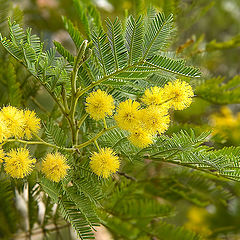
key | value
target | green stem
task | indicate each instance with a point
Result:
(92, 140)
(64, 97)
(74, 99)
(79, 124)
(105, 123)
(37, 143)
(96, 143)
(77, 63)
(82, 119)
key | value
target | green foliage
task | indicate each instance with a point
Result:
(123, 58)
(157, 37)
(232, 43)
(74, 207)
(8, 213)
(51, 71)
(218, 91)
(112, 53)
(110, 50)
(166, 231)
(73, 32)
(11, 88)
(55, 135)
(185, 149)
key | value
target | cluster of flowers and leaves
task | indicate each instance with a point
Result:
(20, 126)
(143, 122)
(122, 81)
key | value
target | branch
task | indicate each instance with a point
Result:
(127, 176)
(92, 140)
(42, 142)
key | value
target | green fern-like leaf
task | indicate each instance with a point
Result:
(158, 34)
(186, 150)
(134, 39)
(71, 213)
(117, 44)
(167, 231)
(54, 134)
(174, 66)
(73, 32)
(64, 52)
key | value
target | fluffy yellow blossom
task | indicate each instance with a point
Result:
(18, 163)
(155, 119)
(31, 123)
(14, 120)
(224, 119)
(128, 114)
(226, 124)
(104, 163)
(99, 104)
(54, 166)
(2, 155)
(155, 96)
(140, 137)
(4, 132)
(197, 220)
(179, 93)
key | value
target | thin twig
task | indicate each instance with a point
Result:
(94, 138)
(127, 176)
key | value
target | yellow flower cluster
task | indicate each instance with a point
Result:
(17, 123)
(197, 220)
(179, 94)
(104, 163)
(226, 124)
(19, 164)
(128, 114)
(176, 94)
(225, 118)
(144, 123)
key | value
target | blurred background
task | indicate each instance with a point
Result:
(207, 36)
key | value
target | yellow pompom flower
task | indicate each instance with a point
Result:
(99, 104)
(2, 155)
(128, 114)
(154, 95)
(197, 220)
(179, 94)
(224, 119)
(31, 123)
(155, 119)
(54, 166)
(14, 120)
(140, 137)
(4, 132)
(104, 163)
(18, 163)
